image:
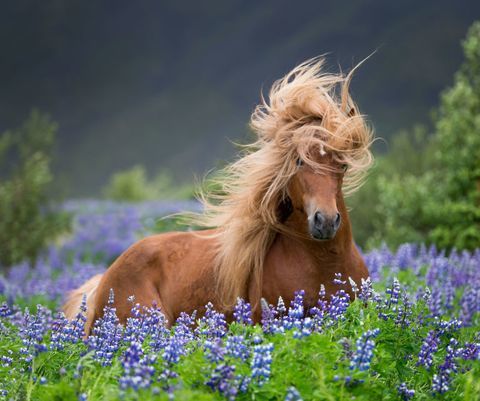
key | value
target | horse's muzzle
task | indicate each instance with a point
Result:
(324, 227)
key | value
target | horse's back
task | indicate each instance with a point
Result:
(173, 270)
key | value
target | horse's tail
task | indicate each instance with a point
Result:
(74, 301)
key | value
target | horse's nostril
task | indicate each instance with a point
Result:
(318, 218)
(338, 218)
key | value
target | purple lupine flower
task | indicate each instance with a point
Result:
(338, 279)
(173, 350)
(243, 312)
(213, 323)
(261, 362)
(32, 332)
(295, 312)
(366, 290)
(394, 292)
(138, 368)
(338, 305)
(320, 311)
(441, 380)
(106, 335)
(269, 322)
(5, 310)
(363, 354)
(404, 311)
(404, 392)
(470, 304)
(236, 347)
(293, 395)
(214, 350)
(281, 308)
(429, 347)
(224, 380)
(6, 361)
(60, 332)
(470, 352)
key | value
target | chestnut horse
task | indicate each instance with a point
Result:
(278, 224)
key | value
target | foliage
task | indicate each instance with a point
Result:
(458, 134)
(414, 333)
(27, 221)
(133, 185)
(389, 195)
(429, 190)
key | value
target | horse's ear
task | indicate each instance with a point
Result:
(285, 209)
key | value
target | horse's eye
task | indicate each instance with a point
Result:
(299, 162)
(344, 167)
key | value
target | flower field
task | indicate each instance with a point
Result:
(411, 333)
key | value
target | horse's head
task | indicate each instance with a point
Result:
(314, 194)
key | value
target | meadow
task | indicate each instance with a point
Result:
(412, 331)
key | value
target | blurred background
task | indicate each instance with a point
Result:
(130, 101)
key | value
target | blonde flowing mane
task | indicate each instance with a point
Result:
(307, 111)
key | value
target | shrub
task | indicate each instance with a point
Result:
(27, 221)
(133, 185)
(431, 192)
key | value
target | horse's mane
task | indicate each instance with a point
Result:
(307, 111)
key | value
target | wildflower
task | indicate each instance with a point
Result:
(364, 350)
(281, 308)
(338, 279)
(243, 312)
(106, 335)
(213, 323)
(261, 362)
(224, 380)
(214, 350)
(138, 368)
(236, 347)
(338, 305)
(366, 290)
(293, 395)
(404, 392)
(441, 380)
(429, 347)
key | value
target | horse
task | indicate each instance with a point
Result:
(276, 224)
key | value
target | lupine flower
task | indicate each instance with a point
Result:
(33, 331)
(364, 350)
(441, 380)
(293, 395)
(236, 347)
(404, 392)
(261, 362)
(243, 312)
(320, 311)
(429, 347)
(138, 368)
(338, 305)
(213, 323)
(281, 308)
(214, 350)
(404, 311)
(366, 290)
(338, 279)
(269, 313)
(226, 382)
(106, 335)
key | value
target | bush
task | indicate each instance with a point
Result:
(133, 185)
(429, 191)
(27, 221)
